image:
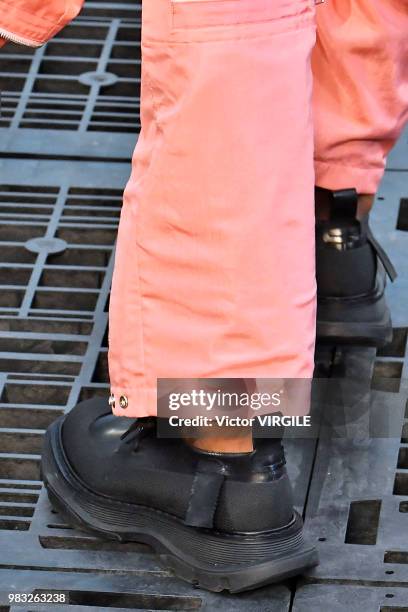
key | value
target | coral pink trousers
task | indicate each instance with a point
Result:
(244, 109)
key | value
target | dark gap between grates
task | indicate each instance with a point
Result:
(133, 601)
(403, 458)
(69, 314)
(387, 376)
(100, 215)
(17, 509)
(78, 257)
(21, 484)
(50, 346)
(396, 556)
(60, 526)
(363, 520)
(83, 543)
(403, 507)
(402, 221)
(21, 367)
(43, 377)
(62, 48)
(55, 300)
(33, 418)
(19, 467)
(35, 393)
(11, 299)
(105, 339)
(397, 346)
(89, 392)
(21, 441)
(21, 233)
(16, 254)
(62, 157)
(13, 524)
(113, 195)
(401, 483)
(82, 29)
(13, 199)
(56, 66)
(87, 235)
(106, 309)
(62, 277)
(122, 9)
(101, 371)
(28, 189)
(18, 496)
(15, 276)
(51, 326)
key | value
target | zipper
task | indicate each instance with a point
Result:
(18, 39)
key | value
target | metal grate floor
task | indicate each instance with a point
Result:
(79, 94)
(58, 228)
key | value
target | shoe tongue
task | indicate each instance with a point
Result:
(140, 428)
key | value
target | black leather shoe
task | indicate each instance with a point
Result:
(218, 521)
(351, 269)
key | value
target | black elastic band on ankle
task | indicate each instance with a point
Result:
(204, 496)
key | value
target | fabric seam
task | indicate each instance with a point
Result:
(250, 22)
(307, 22)
(159, 127)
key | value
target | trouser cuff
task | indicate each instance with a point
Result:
(338, 176)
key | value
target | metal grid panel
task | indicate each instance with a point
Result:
(57, 250)
(82, 87)
(358, 498)
(101, 574)
(351, 598)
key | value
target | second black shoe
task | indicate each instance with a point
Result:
(218, 521)
(351, 269)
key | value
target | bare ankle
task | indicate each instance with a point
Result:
(222, 440)
(364, 205)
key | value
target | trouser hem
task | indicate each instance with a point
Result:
(340, 176)
(141, 402)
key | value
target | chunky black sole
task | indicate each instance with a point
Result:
(213, 560)
(360, 320)
(367, 334)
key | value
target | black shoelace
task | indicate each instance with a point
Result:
(139, 429)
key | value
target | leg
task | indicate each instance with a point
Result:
(206, 280)
(361, 105)
(208, 284)
(360, 98)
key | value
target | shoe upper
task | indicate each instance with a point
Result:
(123, 459)
(351, 266)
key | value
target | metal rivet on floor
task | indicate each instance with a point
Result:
(112, 401)
(123, 401)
